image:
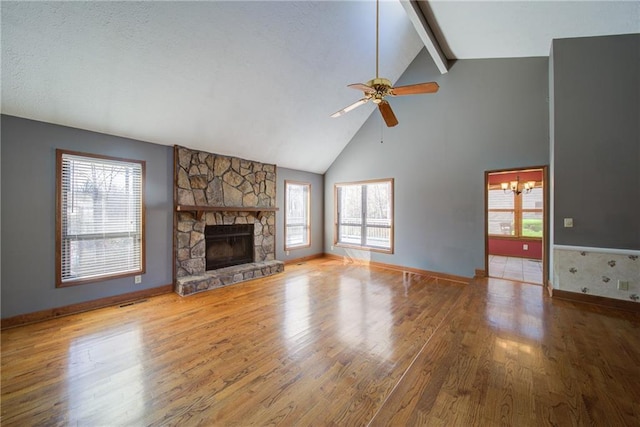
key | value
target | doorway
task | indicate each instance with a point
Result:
(516, 224)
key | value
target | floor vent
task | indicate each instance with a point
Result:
(127, 304)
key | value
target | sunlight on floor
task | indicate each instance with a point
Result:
(105, 377)
(365, 316)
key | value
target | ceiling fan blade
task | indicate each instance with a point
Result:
(350, 107)
(387, 114)
(430, 87)
(363, 87)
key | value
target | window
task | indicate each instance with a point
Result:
(296, 215)
(532, 210)
(515, 215)
(364, 215)
(99, 218)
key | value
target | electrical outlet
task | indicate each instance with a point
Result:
(287, 253)
(623, 285)
(137, 279)
(525, 247)
(568, 222)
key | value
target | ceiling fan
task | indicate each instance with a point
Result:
(377, 89)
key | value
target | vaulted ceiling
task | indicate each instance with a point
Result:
(255, 79)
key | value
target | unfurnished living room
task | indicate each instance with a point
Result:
(320, 213)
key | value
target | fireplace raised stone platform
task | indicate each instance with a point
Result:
(227, 276)
(212, 190)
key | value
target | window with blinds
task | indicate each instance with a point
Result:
(297, 224)
(100, 218)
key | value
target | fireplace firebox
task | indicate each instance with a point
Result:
(228, 245)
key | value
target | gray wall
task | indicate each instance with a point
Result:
(317, 206)
(596, 141)
(488, 114)
(28, 214)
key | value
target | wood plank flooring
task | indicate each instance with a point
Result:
(329, 344)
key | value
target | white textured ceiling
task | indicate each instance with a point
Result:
(256, 80)
(512, 29)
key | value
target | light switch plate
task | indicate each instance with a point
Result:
(568, 222)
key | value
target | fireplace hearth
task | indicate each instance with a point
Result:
(228, 245)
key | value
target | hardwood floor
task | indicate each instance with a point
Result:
(330, 344)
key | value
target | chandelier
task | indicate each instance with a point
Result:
(516, 187)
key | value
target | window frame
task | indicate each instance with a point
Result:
(307, 223)
(517, 211)
(61, 238)
(336, 221)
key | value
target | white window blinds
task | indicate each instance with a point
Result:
(296, 216)
(100, 217)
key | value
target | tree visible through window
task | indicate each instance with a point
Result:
(297, 222)
(364, 215)
(100, 218)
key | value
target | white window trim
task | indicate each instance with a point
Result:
(307, 219)
(336, 234)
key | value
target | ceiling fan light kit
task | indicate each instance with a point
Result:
(377, 89)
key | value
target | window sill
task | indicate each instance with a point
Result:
(293, 248)
(503, 237)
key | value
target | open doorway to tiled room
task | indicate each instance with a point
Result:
(515, 224)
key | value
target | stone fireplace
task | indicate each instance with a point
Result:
(224, 227)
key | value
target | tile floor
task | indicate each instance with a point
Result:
(522, 269)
